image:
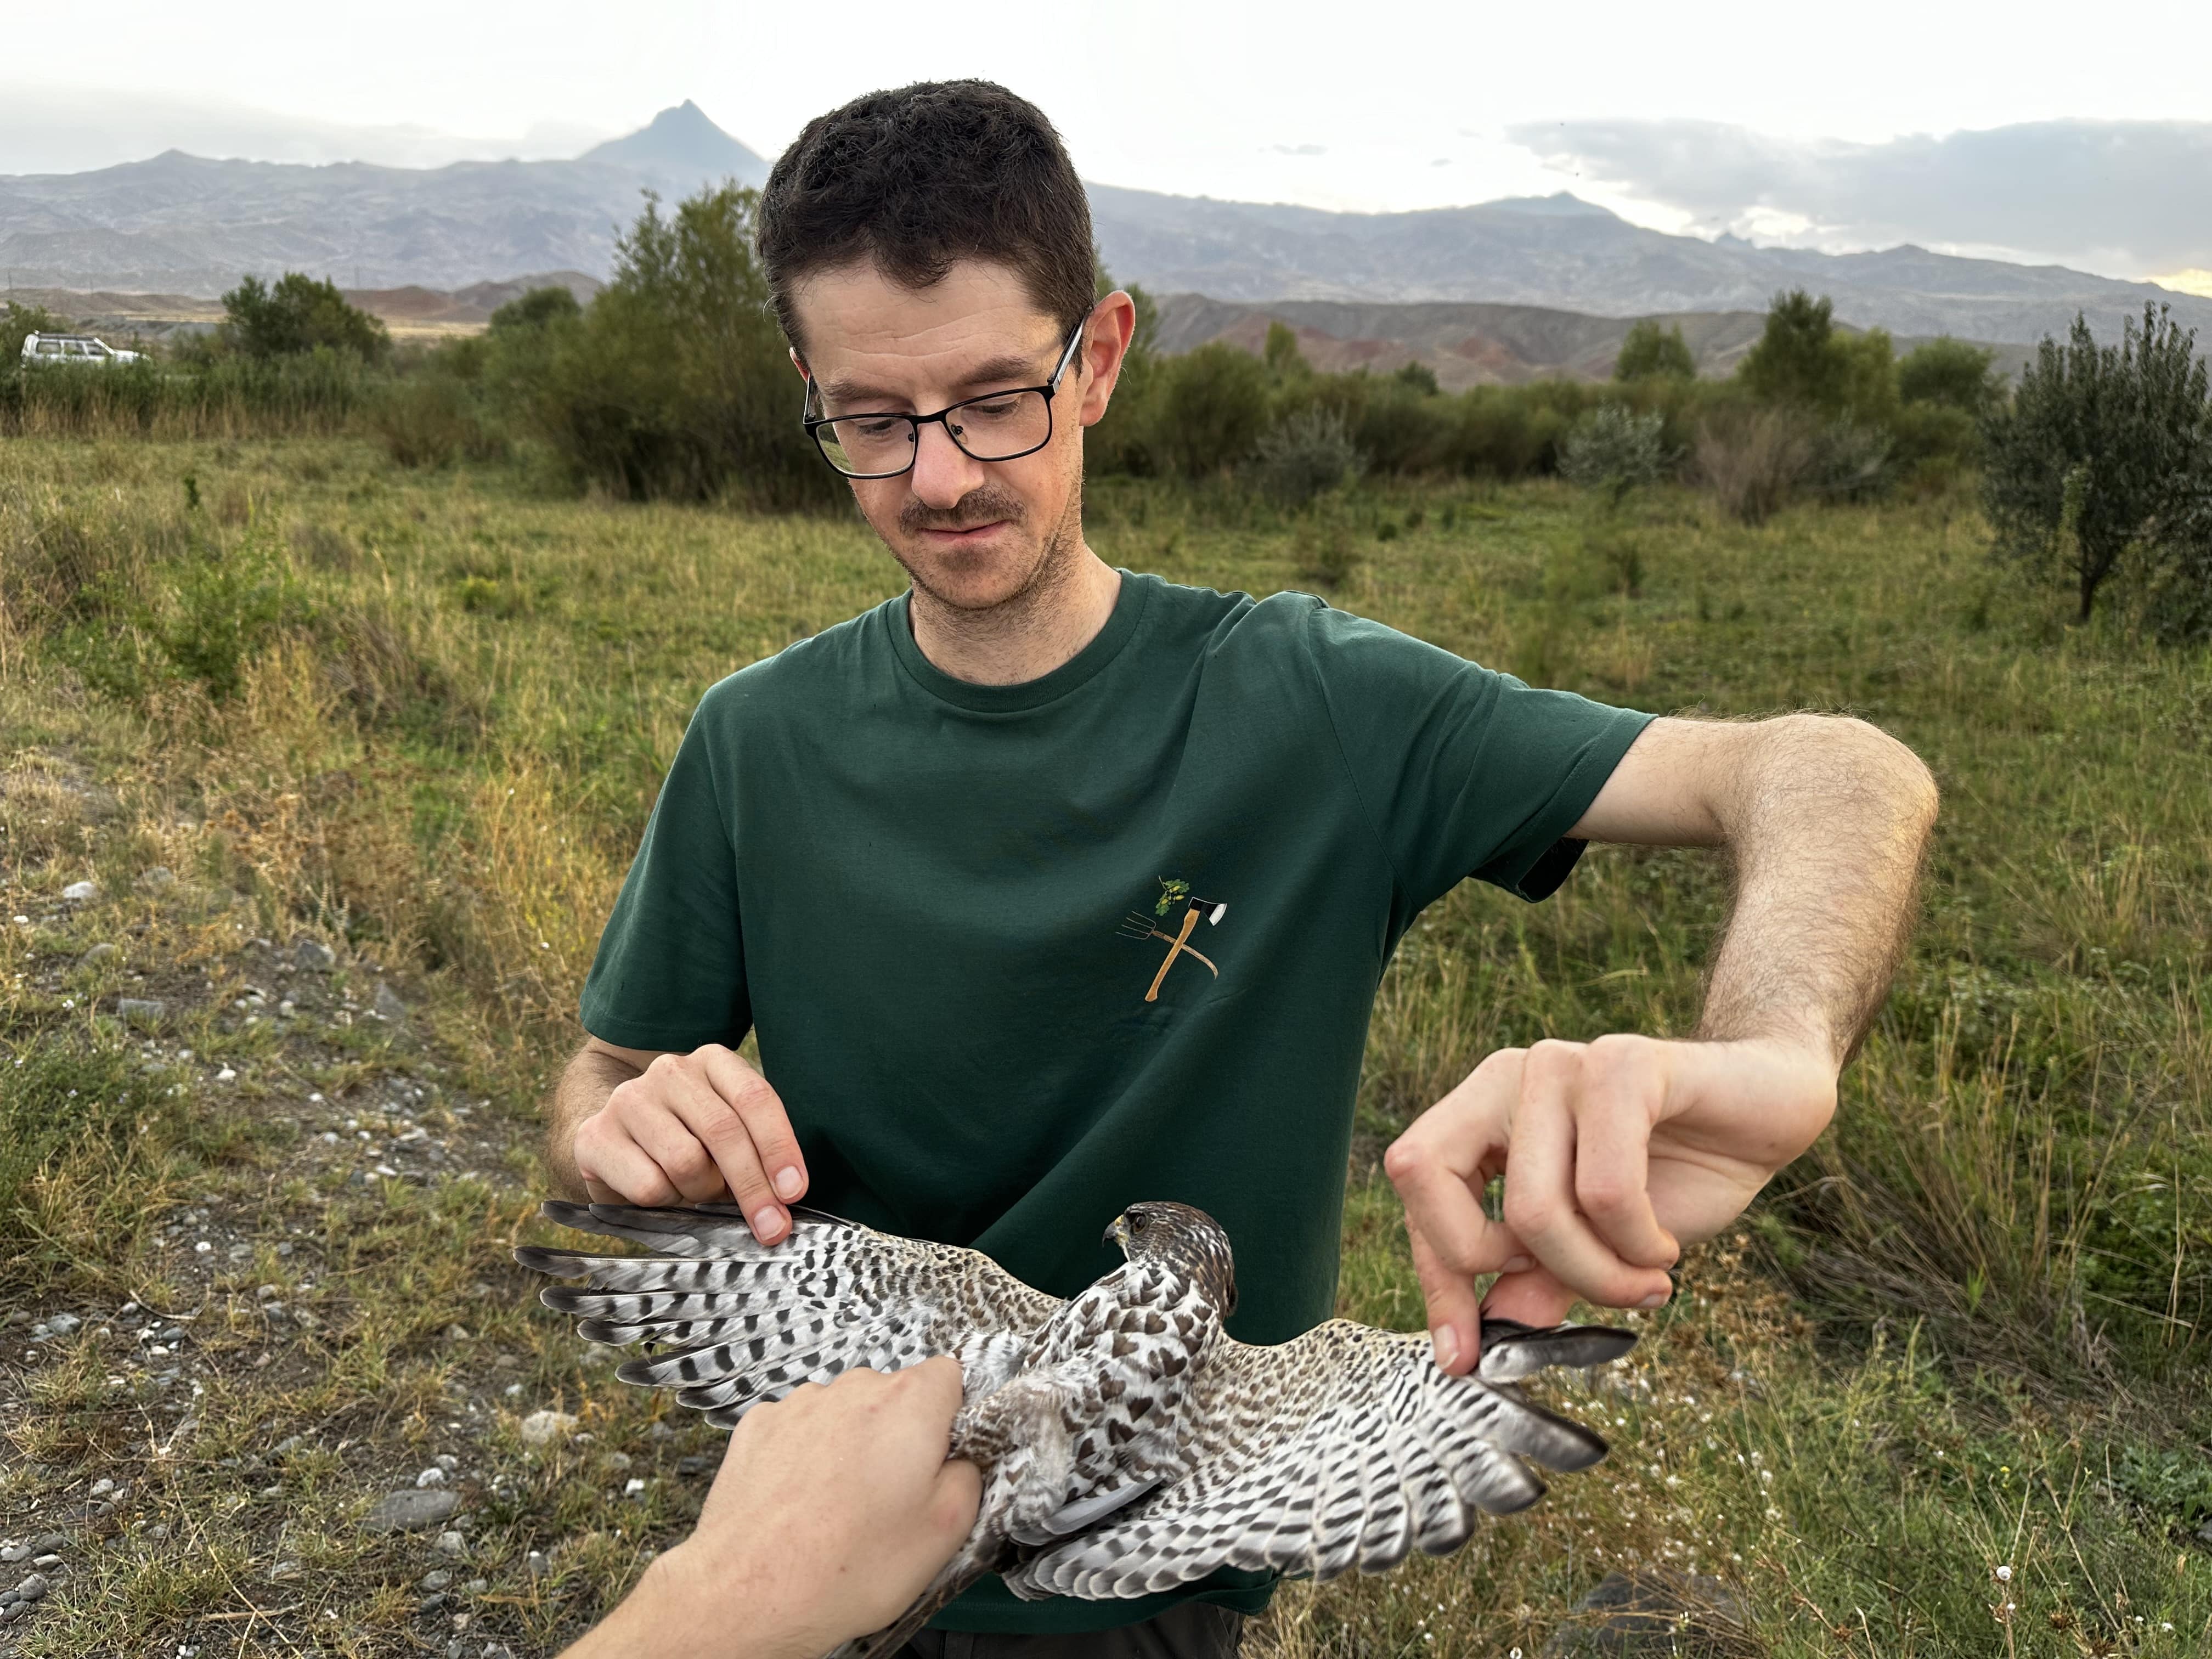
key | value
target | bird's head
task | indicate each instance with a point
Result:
(1184, 1239)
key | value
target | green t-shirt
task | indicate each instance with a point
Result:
(1020, 956)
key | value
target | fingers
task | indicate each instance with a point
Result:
(690, 1128)
(1533, 1297)
(1455, 1311)
(1542, 1207)
(1439, 1167)
(1613, 1144)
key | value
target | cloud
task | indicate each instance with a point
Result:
(1299, 149)
(2132, 196)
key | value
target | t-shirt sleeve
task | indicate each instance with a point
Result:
(671, 969)
(1462, 771)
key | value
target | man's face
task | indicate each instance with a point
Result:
(972, 534)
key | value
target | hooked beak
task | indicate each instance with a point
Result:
(1118, 1233)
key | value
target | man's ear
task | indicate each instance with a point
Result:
(799, 362)
(1106, 339)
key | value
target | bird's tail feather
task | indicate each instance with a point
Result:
(975, 1560)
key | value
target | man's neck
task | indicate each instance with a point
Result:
(1027, 637)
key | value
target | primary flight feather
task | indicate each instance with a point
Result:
(1126, 1443)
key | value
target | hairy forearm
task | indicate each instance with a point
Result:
(589, 1079)
(1826, 823)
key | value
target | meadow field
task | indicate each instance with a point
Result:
(354, 757)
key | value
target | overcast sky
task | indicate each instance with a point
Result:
(1828, 128)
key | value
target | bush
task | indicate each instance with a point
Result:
(431, 418)
(1210, 408)
(1850, 462)
(675, 382)
(1802, 359)
(1752, 460)
(1612, 450)
(1307, 455)
(2102, 456)
(297, 315)
(1949, 373)
(1650, 353)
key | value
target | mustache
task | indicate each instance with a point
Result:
(978, 506)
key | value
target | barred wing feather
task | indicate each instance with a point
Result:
(1345, 1447)
(736, 1323)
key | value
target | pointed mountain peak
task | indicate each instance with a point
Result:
(683, 146)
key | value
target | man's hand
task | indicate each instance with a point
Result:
(832, 1510)
(669, 1128)
(1615, 1154)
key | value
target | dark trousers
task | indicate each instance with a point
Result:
(1193, 1631)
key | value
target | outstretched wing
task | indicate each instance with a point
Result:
(735, 1322)
(1345, 1447)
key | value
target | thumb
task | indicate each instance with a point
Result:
(1532, 1296)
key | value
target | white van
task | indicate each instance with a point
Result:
(75, 349)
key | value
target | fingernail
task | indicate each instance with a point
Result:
(1656, 1299)
(789, 1183)
(1518, 1264)
(1447, 1341)
(767, 1219)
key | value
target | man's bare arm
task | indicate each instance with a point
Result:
(646, 1126)
(1617, 1151)
(1826, 822)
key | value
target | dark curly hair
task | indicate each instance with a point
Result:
(919, 178)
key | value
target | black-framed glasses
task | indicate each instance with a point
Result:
(1000, 426)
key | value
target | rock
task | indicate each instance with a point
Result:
(435, 1580)
(694, 1465)
(450, 1543)
(412, 1510)
(64, 1324)
(430, 1604)
(476, 1586)
(2204, 1532)
(13, 1553)
(536, 1565)
(47, 1541)
(448, 1462)
(314, 955)
(155, 879)
(1657, 1614)
(78, 891)
(284, 1570)
(544, 1427)
(33, 1587)
(455, 1333)
(429, 1478)
(140, 1011)
(101, 952)
(388, 1003)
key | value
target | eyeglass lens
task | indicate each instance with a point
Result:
(989, 429)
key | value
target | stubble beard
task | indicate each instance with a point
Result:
(1050, 568)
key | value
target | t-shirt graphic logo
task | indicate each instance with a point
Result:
(1175, 895)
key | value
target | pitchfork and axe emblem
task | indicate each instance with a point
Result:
(1139, 925)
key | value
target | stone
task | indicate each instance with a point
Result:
(455, 1333)
(450, 1543)
(693, 1464)
(33, 1587)
(314, 955)
(430, 1604)
(430, 1477)
(541, 1428)
(435, 1580)
(14, 1553)
(101, 952)
(140, 1011)
(77, 892)
(536, 1565)
(412, 1510)
(64, 1324)
(155, 879)
(388, 1003)
(285, 1570)
(1657, 1614)
(49, 1540)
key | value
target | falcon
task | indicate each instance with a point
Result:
(1126, 1443)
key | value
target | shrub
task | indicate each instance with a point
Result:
(1802, 359)
(1612, 450)
(1949, 373)
(1210, 410)
(675, 381)
(2101, 455)
(1752, 460)
(1850, 462)
(1307, 455)
(1650, 353)
(296, 315)
(431, 418)
(536, 308)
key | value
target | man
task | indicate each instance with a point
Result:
(1048, 886)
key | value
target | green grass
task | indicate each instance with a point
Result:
(1969, 1330)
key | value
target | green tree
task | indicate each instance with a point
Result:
(1281, 355)
(1651, 353)
(2103, 455)
(1211, 406)
(1950, 373)
(295, 315)
(19, 322)
(1803, 358)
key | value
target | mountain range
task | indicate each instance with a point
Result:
(188, 225)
